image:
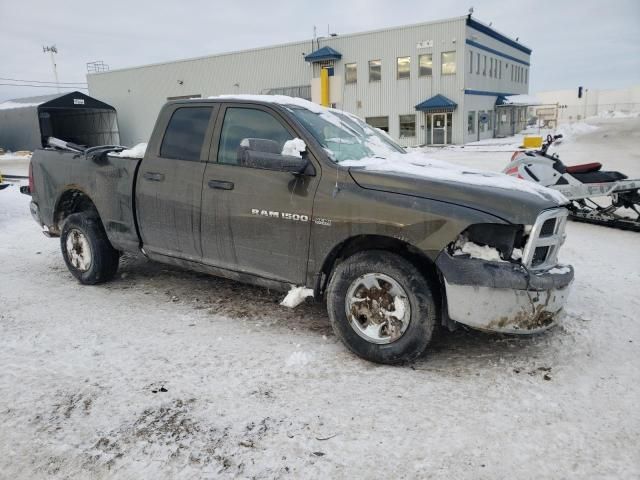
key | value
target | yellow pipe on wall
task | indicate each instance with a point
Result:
(324, 87)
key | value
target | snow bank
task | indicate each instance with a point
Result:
(135, 152)
(418, 164)
(617, 114)
(296, 296)
(576, 129)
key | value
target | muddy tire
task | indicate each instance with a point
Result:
(381, 307)
(86, 249)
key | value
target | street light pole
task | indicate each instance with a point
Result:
(52, 50)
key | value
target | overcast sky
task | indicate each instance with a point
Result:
(595, 43)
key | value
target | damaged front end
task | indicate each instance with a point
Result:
(505, 278)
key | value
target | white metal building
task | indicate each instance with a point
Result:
(429, 83)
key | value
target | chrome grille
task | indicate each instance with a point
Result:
(545, 239)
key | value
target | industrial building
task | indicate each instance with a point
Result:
(431, 83)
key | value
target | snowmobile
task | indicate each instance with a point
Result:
(581, 184)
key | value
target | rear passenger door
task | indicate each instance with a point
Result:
(169, 183)
(255, 220)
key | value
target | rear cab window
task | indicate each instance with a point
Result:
(185, 133)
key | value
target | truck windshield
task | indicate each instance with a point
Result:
(345, 136)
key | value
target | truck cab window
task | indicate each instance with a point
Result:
(244, 126)
(185, 133)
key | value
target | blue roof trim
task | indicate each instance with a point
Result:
(496, 52)
(437, 102)
(324, 53)
(488, 94)
(498, 36)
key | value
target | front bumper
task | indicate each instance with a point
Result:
(503, 297)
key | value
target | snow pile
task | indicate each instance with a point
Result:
(418, 164)
(135, 152)
(482, 252)
(294, 148)
(569, 130)
(522, 100)
(618, 114)
(296, 296)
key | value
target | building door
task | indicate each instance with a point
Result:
(439, 129)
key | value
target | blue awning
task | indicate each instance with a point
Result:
(437, 103)
(324, 53)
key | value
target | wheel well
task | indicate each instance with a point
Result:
(378, 242)
(71, 201)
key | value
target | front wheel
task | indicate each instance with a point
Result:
(86, 249)
(381, 307)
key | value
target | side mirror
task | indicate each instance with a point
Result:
(266, 154)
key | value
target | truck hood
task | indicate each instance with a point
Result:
(511, 199)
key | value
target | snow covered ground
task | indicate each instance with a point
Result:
(165, 373)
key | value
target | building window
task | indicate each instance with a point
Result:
(448, 61)
(490, 67)
(379, 122)
(500, 69)
(478, 64)
(490, 122)
(471, 122)
(512, 72)
(483, 125)
(526, 76)
(404, 67)
(407, 126)
(375, 70)
(425, 65)
(484, 65)
(470, 62)
(350, 73)
(185, 133)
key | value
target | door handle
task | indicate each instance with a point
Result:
(153, 176)
(220, 185)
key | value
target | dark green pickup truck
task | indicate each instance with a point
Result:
(280, 192)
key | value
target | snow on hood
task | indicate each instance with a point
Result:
(418, 164)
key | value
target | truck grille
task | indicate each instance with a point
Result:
(545, 239)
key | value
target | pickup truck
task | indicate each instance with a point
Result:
(282, 193)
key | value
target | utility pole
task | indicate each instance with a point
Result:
(53, 50)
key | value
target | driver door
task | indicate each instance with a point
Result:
(255, 219)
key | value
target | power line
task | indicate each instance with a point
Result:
(40, 81)
(40, 86)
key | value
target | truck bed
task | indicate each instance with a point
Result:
(108, 180)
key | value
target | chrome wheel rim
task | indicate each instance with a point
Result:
(378, 308)
(78, 250)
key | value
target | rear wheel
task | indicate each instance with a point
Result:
(381, 307)
(86, 249)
